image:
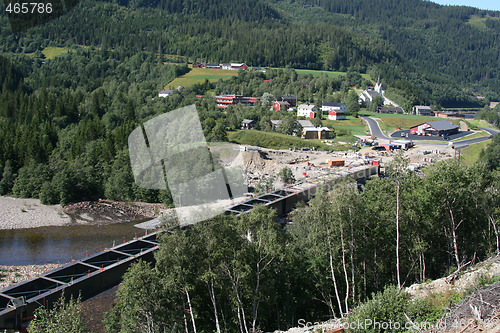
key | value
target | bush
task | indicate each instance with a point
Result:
(387, 307)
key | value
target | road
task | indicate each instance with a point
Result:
(375, 128)
(376, 131)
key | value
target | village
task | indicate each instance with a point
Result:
(425, 142)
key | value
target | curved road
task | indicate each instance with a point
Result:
(375, 128)
(376, 131)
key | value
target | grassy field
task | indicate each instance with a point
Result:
(328, 73)
(470, 155)
(199, 75)
(282, 141)
(479, 22)
(354, 126)
(479, 134)
(52, 52)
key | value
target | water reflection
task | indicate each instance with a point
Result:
(60, 244)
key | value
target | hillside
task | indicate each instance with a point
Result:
(452, 41)
(426, 53)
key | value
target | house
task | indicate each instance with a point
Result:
(304, 123)
(223, 101)
(422, 110)
(291, 99)
(225, 66)
(336, 115)
(394, 110)
(281, 106)
(213, 66)
(445, 114)
(275, 123)
(165, 93)
(307, 110)
(248, 124)
(437, 127)
(316, 133)
(335, 111)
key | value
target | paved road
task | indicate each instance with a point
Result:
(375, 128)
(376, 131)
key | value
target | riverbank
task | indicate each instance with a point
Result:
(31, 213)
(13, 274)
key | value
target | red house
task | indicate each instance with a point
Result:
(280, 105)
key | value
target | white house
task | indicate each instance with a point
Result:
(335, 111)
(165, 93)
(367, 96)
(307, 110)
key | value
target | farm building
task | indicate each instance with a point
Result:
(316, 133)
(422, 110)
(336, 115)
(205, 65)
(307, 110)
(234, 66)
(281, 106)
(248, 124)
(445, 114)
(394, 110)
(291, 99)
(437, 127)
(226, 100)
(335, 111)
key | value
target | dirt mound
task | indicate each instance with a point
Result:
(465, 280)
(479, 312)
(481, 304)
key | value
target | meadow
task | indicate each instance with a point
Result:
(199, 75)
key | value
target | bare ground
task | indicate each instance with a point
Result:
(14, 274)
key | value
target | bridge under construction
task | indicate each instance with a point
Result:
(96, 273)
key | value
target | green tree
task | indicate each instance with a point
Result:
(286, 176)
(8, 177)
(317, 122)
(64, 317)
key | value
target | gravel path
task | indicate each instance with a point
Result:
(29, 213)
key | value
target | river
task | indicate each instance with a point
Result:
(44, 245)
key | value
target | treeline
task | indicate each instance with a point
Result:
(245, 274)
(246, 10)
